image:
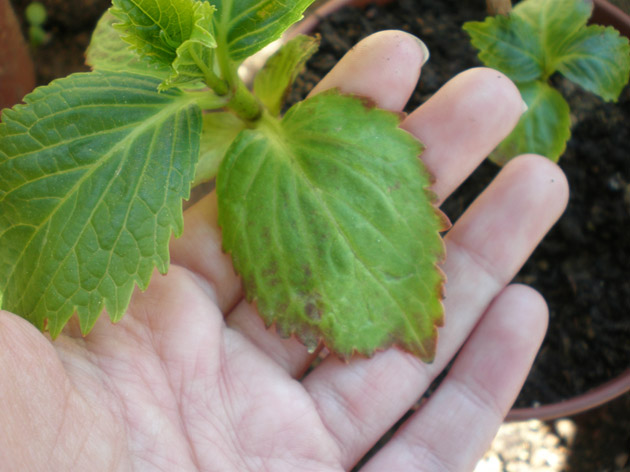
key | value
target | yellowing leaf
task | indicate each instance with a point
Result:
(329, 221)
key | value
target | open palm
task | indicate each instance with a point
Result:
(192, 380)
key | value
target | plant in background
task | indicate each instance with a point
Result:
(537, 39)
(36, 17)
(325, 210)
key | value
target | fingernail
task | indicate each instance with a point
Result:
(425, 51)
(524, 107)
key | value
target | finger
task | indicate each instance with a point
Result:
(463, 122)
(386, 67)
(485, 248)
(476, 394)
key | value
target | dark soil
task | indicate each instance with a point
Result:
(69, 27)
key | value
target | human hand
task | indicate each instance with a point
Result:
(190, 379)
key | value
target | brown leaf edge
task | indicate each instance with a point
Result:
(315, 342)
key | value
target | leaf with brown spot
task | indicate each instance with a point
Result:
(329, 221)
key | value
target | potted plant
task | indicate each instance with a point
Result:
(241, 110)
(545, 128)
(238, 101)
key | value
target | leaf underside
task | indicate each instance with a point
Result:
(249, 25)
(91, 188)
(177, 34)
(329, 222)
(108, 51)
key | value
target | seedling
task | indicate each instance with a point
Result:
(325, 211)
(36, 17)
(537, 39)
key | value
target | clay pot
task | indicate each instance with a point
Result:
(605, 13)
(17, 76)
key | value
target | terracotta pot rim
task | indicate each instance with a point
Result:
(608, 14)
(581, 403)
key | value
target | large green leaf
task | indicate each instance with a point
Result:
(274, 81)
(247, 26)
(597, 59)
(108, 51)
(329, 222)
(544, 129)
(93, 170)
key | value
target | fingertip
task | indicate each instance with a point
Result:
(543, 174)
(463, 122)
(532, 311)
(384, 67)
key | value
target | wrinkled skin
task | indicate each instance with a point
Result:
(191, 379)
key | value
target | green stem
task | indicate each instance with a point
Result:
(210, 101)
(244, 104)
(212, 80)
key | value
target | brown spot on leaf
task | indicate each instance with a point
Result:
(313, 311)
(394, 187)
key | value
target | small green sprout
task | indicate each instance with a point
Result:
(534, 41)
(36, 16)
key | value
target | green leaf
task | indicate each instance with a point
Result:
(108, 51)
(177, 33)
(220, 129)
(555, 22)
(329, 221)
(544, 129)
(541, 37)
(510, 45)
(273, 83)
(246, 26)
(597, 59)
(93, 170)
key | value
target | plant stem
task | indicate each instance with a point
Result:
(245, 104)
(212, 80)
(499, 7)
